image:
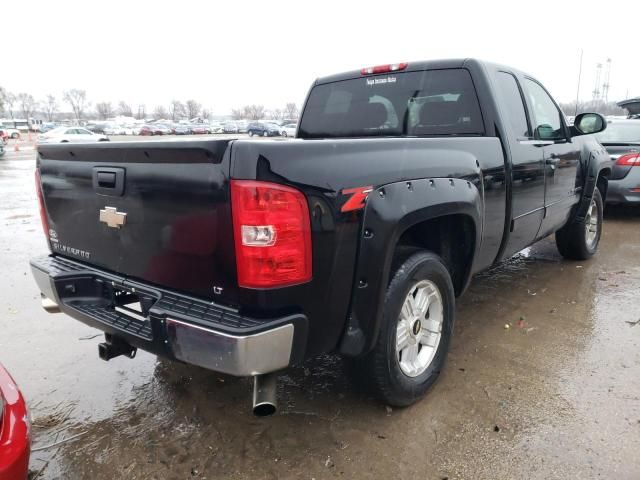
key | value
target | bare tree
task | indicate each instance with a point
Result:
(50, 106)
(206, 114)
(124, 109)
(78, 100)
(193, 108)
(160, 112)
(291, 111)
(277, 114)
(27, 104)
(3, 94)
(176, 110)
(8, 100)
(598, 106)
(104, 110)
(142, 112)
(237, 113)
(254, 112)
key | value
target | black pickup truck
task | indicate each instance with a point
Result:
(246, 256)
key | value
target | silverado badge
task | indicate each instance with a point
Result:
(112, 217)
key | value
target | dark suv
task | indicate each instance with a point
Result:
(263, 129)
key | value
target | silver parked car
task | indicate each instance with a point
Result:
(288, 130)
(622, 141)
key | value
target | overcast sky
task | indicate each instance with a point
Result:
(231, 53)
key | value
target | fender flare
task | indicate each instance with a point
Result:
(598, 161)
(390, 210)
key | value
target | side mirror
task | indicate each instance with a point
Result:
(588, 123)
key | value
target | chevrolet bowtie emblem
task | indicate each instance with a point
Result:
(112, 217)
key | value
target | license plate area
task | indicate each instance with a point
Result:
(109, 302)
(131, 303)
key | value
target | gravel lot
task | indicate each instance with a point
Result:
(554, 396)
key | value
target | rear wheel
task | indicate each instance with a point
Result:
(265, 134)
(15, 135)
(251, 133)
(579, 240)
(415, 333)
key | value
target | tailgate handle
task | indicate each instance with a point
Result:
(108, 181)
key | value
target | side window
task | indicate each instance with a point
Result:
(71, 131)
(547, 124)
(510, 95)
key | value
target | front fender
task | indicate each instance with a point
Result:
(390, 210)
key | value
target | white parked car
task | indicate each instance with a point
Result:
(10, 132)
(216, 127)
(288, 130)
(71, 135)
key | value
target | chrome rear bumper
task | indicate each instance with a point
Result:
(247, 347)
(248, 355)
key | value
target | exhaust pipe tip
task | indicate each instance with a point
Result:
(264, 395)
(264, 409)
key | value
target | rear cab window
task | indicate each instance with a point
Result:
(413, 104)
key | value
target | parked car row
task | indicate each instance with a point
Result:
(270, 129)
(99, 133)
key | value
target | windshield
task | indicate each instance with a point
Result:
(427, 103)
(623, 132)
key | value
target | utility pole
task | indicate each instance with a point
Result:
(605, 85)
(596, 87)
(578, 88)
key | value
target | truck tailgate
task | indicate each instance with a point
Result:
(155, 211)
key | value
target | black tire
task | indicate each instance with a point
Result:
(251, 133)
(15, 135)
(379, 370)
(571, 239)
(284, 134)
(265, 134)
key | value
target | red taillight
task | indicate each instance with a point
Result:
(43, 211)
(391, 67)
(629, 160)
(272, 234)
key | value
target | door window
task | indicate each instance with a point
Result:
(547, 117)
(510, 95)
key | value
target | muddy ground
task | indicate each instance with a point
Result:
(555, 396)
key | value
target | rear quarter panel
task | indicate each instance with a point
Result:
(323, 169)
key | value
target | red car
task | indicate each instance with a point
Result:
(200, 130)
(14, 430)
(146, 130)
